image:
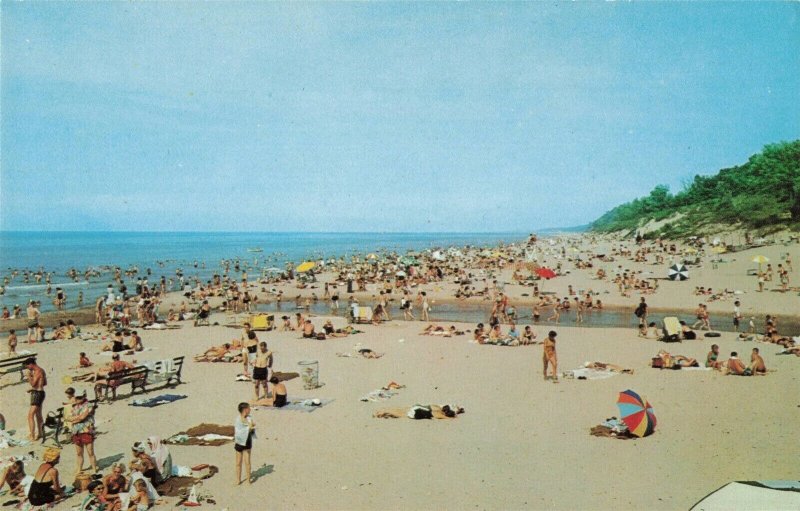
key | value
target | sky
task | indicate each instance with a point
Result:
(469, 117)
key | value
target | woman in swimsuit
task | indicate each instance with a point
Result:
(45, 487)
(115, 483)
(13, 475)
(279, 395)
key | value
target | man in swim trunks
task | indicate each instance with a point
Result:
(736, 366)
(38, 381)
(549, 356)
(757, 365)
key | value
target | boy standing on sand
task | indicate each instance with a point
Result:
(549, 356)
(12, 342)
(244, 432)
(737, 315)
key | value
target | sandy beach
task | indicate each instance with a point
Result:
(522, 443)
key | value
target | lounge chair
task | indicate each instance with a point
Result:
(672, 330)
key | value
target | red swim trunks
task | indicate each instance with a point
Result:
(82, 439)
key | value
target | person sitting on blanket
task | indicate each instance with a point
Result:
(144, 463)
(13, 475)
(137, 467)
(139, 500)
(671, 361)
(279, 397)
(308, 330)
(712, 358)
(328, 327)
(605, 365)
(95, 499)
(116, 345)
(687, 332)
(528, 336)
(736, 366)
(161, 456)
(83, 361)
(480, 334)
(115, 483)
(757, 365)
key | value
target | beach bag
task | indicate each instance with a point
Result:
(657, 362)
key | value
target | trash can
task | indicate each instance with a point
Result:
(309, 372)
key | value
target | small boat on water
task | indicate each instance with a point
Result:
(255, 249)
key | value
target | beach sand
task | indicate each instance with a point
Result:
(523, 442)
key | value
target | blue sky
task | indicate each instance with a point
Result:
(378, 117)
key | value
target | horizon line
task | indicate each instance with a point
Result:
(23, 231)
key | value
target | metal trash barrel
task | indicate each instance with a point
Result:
(309, 372)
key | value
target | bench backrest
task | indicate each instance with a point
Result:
(134, 372)
(7, 362)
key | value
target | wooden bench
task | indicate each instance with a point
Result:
(10, 365)
(140, 377)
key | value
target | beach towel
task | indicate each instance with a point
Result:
(195, 435)
(378, 395)
(156, 401)
(585, 373)
(697, 368)
(179, 485)
(285, 376)
(160, 370)
(304, 405)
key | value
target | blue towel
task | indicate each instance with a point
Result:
(156, 401)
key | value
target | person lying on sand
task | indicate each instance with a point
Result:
(219, 353)
(279, 395)
(368, 353)
(676, 360)
(605, 365)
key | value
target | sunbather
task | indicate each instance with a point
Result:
(13, 476)
(671, 361)
(605, 365)
(757, 366)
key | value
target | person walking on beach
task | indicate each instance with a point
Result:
(244, 432)
(737, 315)
(641, 313)
(33, 320)
(38, 381)
(579, 307)
(12, 342)
(549, 356)
(425, 306)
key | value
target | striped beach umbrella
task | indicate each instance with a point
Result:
(678, 272)
(636, 413)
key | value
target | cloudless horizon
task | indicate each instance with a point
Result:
(378, 117)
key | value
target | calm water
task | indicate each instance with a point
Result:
(476, 313)
(165, 252)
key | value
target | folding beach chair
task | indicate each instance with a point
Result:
(262, 322)
(672, 330)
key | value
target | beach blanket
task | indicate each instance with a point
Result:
(585, 373)
(156, 401)
(301, 405)
(378, 395)
(697, 368)
(179, 486)
(211, 435)
(160, 370)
